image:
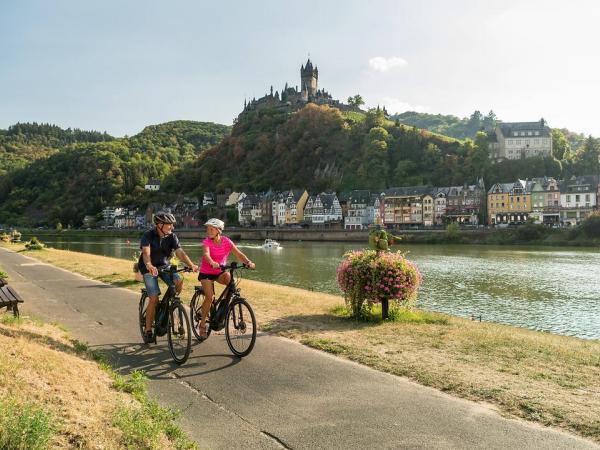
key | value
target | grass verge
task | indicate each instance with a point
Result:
(553, 380)
(57, 393)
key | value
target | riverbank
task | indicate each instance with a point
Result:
(56, 393)
(528, 234)
(553, 380)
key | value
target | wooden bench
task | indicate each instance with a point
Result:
(9, 298)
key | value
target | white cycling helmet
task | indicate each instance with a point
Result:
(217, 223)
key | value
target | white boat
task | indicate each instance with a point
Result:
(270, 243)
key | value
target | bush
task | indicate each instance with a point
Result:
(34, 244)
(24, 426)
(591, 226)
(369, 276)
(452, 232)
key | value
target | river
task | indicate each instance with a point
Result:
(541, 288)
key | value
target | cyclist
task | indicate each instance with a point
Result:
(158, 245)
(216, 248)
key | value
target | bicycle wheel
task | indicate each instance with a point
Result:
(196, 315)
(178, 333)
(240, 328)
(143, 306)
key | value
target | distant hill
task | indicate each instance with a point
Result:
(317, 148)
(54, 179)
(25, 142)
(467, 127)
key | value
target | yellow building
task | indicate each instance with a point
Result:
(509, 203)
(294, 206)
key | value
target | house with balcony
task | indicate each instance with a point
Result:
(545, 201)
(465, 204)
(578, 198)
(403, 206)
(357, 217)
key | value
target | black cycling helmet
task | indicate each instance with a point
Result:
(164, 217)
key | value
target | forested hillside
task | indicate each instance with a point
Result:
(317, 148)
(322, 148)
(25, 142)
(468, 127)
(70, 180)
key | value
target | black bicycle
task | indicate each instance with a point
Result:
(170, 318)
(230, 311)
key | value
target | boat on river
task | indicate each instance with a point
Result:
(271, 244)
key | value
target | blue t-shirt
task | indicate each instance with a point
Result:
(161, 250)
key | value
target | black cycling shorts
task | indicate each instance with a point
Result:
(208, 276)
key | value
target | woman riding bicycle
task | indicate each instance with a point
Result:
(216, 248)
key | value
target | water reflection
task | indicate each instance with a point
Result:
(538, 288)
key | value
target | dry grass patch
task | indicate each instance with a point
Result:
(57, 396)
(40, 367)
(550, 379)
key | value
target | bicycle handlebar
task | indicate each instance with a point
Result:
(173, 269)
(233, 266)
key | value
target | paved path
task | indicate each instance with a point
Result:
(284, 395)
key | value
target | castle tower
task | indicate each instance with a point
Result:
(309, 78)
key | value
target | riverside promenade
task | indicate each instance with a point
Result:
(284, 395)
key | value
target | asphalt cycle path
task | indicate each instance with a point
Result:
(283, 395)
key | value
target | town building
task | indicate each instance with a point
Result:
(509, 203)
(403, 206)
(153, 184)
(519, 140)
(578, 198)
(545, 201)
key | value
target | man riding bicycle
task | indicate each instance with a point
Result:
(158, 245)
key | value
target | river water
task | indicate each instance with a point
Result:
(546, 289)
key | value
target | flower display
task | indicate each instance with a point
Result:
(372, 276)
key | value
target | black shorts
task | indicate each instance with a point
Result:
(207, 276)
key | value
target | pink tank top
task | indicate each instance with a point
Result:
(218, 253)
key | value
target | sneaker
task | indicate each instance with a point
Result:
(148, 337)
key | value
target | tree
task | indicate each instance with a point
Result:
(356, 101)
(588, 159)
(489, 121)
(561, 149)
(480, 158)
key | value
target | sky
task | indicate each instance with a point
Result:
(118, 66)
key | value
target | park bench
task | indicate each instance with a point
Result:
(9, 298)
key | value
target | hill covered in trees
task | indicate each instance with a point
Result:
(317, 148)
(74, 175)
(468, 127)
(25, 142)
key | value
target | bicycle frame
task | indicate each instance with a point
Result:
(165, 303)
(219, 306)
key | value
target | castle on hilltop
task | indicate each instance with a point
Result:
(292, 99)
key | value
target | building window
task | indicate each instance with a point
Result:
(568, 198)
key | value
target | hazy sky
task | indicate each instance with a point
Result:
(118, 66)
